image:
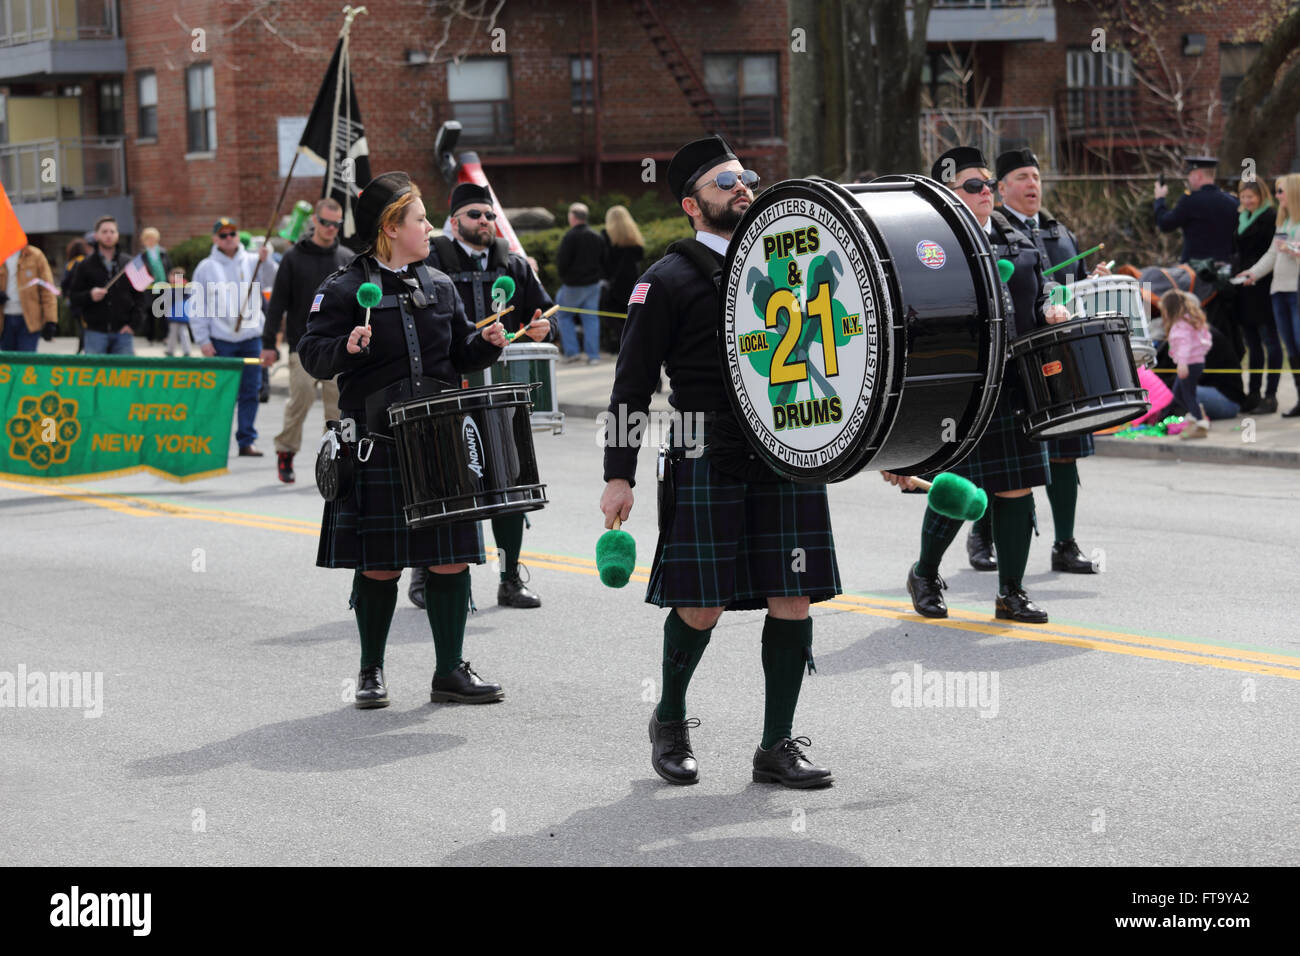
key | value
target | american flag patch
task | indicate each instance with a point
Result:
(639, 293)
(315, 303)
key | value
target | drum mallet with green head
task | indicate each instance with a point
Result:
(954, 496)
(615, 556)
(368, 296)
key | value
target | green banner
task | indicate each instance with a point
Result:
(75, 417)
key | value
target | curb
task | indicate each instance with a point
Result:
(1205, 454)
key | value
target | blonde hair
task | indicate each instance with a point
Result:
(1177, 304)
(622, 228)
(394, 215)
(149, 232)
(1290, 184)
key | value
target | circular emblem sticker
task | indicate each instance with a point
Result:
(801, 334)
(931, 254)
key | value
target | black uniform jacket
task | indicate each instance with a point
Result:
(122, 305)
(448, 342)
(1056, 242)
(676, 326)
(1208, 218)
(475, 287)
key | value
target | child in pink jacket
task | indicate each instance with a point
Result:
(1189, 342)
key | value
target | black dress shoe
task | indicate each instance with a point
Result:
(925, 594)
(1294, 413)
(1250, 403)
(371, 689)
(416, 591)
(512, 593)
(1066, 556)
(670, 749)
(786, 764)
(1013, 604)
(463, 686)
(980, 550)
(1267, 405)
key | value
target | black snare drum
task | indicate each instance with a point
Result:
(1078, 377)
(861, 325)
(467, 455)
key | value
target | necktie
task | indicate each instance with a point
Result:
(481, 262)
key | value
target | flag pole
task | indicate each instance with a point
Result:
(349, 14)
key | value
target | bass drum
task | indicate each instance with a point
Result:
(862, 325)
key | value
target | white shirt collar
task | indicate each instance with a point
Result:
(475, 254)
(390, 268)
(988, 226)
(1032, 220)
(713, 241)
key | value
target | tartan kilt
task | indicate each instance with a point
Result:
(731, 543)
(1005, 458)
(366, 530)
(1076, 446)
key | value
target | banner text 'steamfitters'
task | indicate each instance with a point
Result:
(728, 525)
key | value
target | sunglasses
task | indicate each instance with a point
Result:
(226, 235)
(477, 214)
(330, 223)
(726, 180)
(977, 186)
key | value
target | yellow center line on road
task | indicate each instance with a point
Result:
(1111, 642)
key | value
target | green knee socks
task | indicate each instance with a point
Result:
(937, 533)
(683, 648)
(787, 646)
(508, 532)
(1063, 493)
(373, 602)
(446, 601)
(1013, 528)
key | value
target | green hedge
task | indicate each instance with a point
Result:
(659, 234)
(190, 253)
(647, 207)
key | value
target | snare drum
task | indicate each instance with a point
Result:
(1110, 295)
(467, 455)
(1078, 377)
(527, 362)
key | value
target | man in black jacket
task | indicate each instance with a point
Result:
(727, 524)
(578, 263)
(473, 261)
(111, 311)
(304, 267)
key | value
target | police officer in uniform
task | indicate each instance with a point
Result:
(1021, 188)
(728, 525)
(474, 260)
(417, 342)
(1005, 462)
(1206, 214)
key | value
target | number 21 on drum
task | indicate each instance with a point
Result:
(819, 309)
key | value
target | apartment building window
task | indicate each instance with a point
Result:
(111, 120)
(945, 81)
(201, 109)
(582, 93)
(1102, 90)
(478, 91)
(1234, 60)
(745, 89)
(146, 89)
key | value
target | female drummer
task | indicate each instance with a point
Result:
(1005, 462)
(416, 341)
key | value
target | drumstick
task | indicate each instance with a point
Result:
(510, 337)
(494, 316)
(1082, 255)
(549, 312)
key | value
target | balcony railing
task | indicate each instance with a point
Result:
(750, 119)
(31, 21)
(52, 170)
(1111, 110)
(992, 130)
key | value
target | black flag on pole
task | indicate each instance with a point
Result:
(335, 137)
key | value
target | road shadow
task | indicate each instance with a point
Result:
(660, 825)
(337, 740)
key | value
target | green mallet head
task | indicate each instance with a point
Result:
(1005, 268)
(1059, 295)
(955, 497)
(502, 290)
(368, 295)
(615, 557)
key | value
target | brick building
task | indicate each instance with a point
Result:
(172, 112)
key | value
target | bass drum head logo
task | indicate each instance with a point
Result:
(931, 254)
(801, 331)
(473, 446)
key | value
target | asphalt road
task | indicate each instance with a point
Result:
(1152, 722)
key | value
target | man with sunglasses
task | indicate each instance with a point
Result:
(474, 259)
(728, 525)
(304, 267)
(221, 288)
